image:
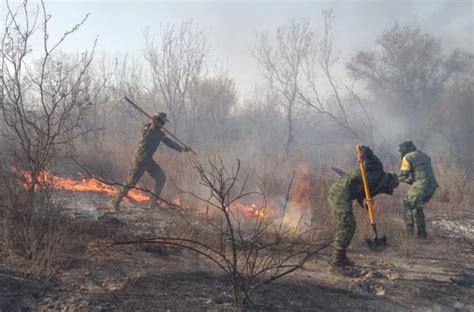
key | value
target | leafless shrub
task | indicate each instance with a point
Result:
(252, 252)
(177, 63)
(43, 97)
(455, 186)
(281, 65)
(42, 100)
(298, 67)
(35, 236)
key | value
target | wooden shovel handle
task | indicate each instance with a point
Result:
(368, 197)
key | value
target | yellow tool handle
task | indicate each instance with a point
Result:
(368, 199)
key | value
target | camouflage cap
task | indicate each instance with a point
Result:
(406, 146)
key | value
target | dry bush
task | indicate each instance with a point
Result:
(455, 187)
(44, 95)
(252, 250)
(308, 196)
(35, 238)
(110, 161)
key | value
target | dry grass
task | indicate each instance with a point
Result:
(308, 198)
(35, 236)
(455, 187)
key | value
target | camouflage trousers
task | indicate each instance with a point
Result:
(136, 173)
(341, 208)
(414, 202)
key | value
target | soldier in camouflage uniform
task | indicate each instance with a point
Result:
(143, 160)
(348, 188)
(416, 170)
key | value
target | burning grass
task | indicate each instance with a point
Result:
(92, 185)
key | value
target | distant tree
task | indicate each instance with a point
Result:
(297, 66)
(281, 62)
(452, 115)
(406, 72)
(325, 94)
(177, 64)
(215, 97)
(411, 77)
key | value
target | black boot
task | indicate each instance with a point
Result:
(116, 203)
(340, 259)
(422, 232)
(341, 265)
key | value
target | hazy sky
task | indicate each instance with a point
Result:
(232, 25)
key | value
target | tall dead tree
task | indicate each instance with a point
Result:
(298, 68)
(177, 63)
(321, 91)
(281, 62)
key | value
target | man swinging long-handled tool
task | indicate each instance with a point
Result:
(348, 188)
(152, 135)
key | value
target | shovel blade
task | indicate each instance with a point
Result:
(377, 244)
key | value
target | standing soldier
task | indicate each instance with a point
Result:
(341, 195)
(416, 170)
(143, 160)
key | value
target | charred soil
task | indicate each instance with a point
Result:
(436, 274)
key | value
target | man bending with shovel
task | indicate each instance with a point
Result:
(350, 187)
(153, 134)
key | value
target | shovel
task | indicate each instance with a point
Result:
(377, 244)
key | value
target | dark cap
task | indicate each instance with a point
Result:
(406, 147)
(161, 118)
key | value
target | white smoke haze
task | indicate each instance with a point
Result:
(284, 91)
(200, 63)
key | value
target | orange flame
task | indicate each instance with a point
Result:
(250, 211)
(176, 201)
(91, 185)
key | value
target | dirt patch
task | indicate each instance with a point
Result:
(436, 274)
(18, 293)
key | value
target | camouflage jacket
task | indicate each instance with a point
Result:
(151, 139)
(417, 166)
(351, 187)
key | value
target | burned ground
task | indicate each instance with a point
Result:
(436, 274)
(71, 119)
